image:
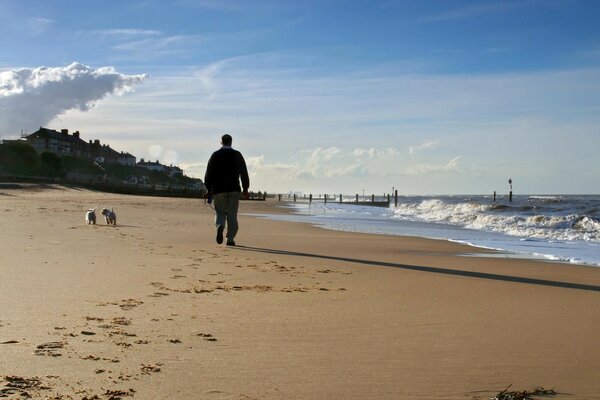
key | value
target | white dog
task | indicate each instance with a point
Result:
(90, 216)
(110, 216)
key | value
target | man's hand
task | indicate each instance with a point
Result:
(245, 195)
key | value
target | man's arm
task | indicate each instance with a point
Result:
(243, 175)
(208, 176)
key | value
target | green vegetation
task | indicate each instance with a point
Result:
(19, 159)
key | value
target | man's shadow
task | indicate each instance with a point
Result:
(435, 270)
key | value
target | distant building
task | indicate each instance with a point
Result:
(59, 143)
(153, 166)
(173, 171)
(126, 159)
(110, 155)
(196, 184)
(62, 143)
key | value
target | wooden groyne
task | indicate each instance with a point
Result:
(357, 200)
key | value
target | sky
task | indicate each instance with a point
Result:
(328, 96)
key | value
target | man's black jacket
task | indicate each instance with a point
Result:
(224, 170)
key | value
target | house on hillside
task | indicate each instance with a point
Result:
(59, 143)
(197, 184)
(110, 155)
(153, 166)
(126, 159)
(173, 171)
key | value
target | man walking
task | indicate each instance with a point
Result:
(223, 173)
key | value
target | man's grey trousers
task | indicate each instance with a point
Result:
(226, 207)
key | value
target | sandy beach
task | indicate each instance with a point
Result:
(153, 308)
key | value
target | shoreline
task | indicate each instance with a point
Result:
(542, 251)
(153, 308)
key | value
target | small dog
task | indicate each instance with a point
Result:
(110, 216)
(90, 216)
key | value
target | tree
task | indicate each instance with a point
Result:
(19, 153)
(53, 162)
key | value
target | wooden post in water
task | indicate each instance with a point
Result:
(310, 198)
(494, 196)
(325, 198)
(279, 197)
(294, 197)
(340, 199)
(372, 198)
(357, 198)
(396, 198)
(388, 197)
(510, 194)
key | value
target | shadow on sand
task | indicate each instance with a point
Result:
(435, 270)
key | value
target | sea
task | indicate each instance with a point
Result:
(563, 228)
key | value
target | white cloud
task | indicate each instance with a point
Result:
(373, 153)
(424, 169)
(194, 169)
(360, 153)
(32, 97)
(159, 46)
(319, 154)
(477, 10)
(413, 150)
(38, 26)
(126, 32)
(357, 170)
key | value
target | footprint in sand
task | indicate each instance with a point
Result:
(158, 294)
(148, 369)
(94, 319)
(17, 385)
(117, 394)
(129, 304)
(207, 336)
(121, 321)
(49, 349)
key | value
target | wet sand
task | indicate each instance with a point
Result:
(153, 308)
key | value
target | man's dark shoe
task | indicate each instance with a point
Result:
(230, 243)
(220, 234)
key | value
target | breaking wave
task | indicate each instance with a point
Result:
(541, 217)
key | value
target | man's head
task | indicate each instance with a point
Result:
(226, 140)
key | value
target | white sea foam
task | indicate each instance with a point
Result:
(500, 218)
(562, 228)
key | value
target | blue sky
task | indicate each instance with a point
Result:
(322, 96)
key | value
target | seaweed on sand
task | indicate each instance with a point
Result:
(524, 395)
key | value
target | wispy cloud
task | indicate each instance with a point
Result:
(426, 169)
(38, 26)
(476, 10)
(125, 33)
(373, 153)
(151, 45)
(218, 5)
(413, 150)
